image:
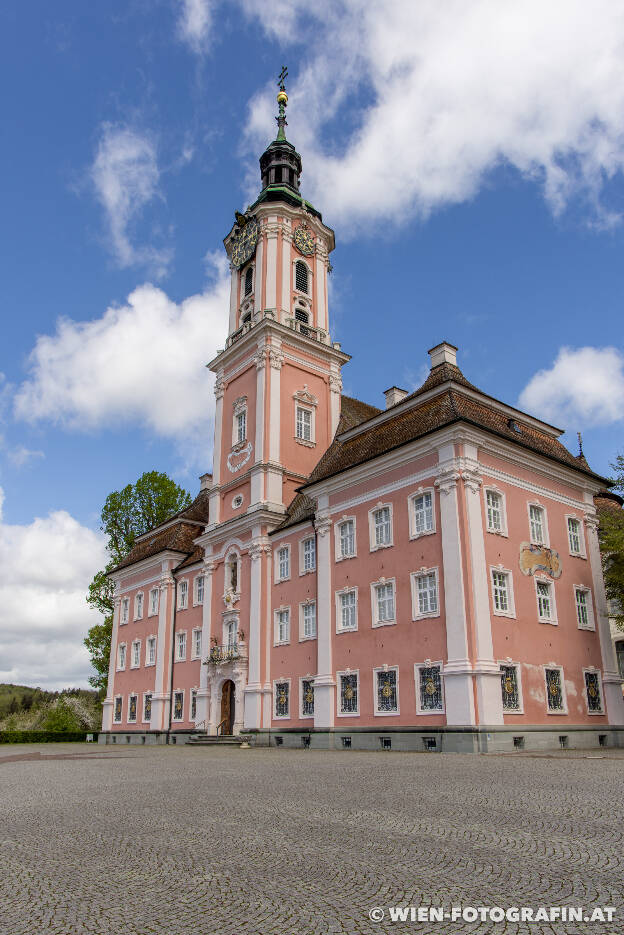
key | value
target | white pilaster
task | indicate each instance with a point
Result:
(321, 308)
(271, 266)
(203, 693)
(260, 413)
(324, 682)
(458, 669)
(160, 696)
(253, 691)
(335, 389)
(275, 360)
(233, 298)
(285, 297)
(107, 705)
(258, 306)
(267, 688)
(611, 681)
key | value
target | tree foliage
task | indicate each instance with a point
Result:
(126, 514)
(611, 533)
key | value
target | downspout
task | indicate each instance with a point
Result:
(175, 610)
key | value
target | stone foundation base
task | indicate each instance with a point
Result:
(151, 737)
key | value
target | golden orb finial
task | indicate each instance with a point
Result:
(282, 97)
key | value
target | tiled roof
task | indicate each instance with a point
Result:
(197, 555)
(608, 500)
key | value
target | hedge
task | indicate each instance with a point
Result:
(45, 736)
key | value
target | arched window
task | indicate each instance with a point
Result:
(301, 276)
(249, 280)
(302, 315)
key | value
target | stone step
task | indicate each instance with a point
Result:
(229, 740)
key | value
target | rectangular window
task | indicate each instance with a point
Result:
(348, 610)
(574, 535)
(545, 601)
(347, 538)
(309, 554)
(283, 626)
(117, 710)
(536, 520)
(554, 690)
(197, 643)
(199, 589)
(430, 689)
(510, 689)
(494, 503)
(386, 692)
(136, 654)
(193, 704)
(309, 620)
(426, 596)
(125, 610)
(150, 651)
(307, 698)
(180, 646)
(138, 606)
(178, 706)
(153, 604)
(283, 562)
(147, 706)
(384, 599)
(349, 694)
(132, 709)
(584, 611)
(423, 513)
(183, 595)
(241, 426)
(121, 656)
(382, 526)
(500, 590)
(282, 699)
(304, 424)
(592, 693)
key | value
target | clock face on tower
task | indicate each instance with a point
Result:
(304, 241)
(244, 243)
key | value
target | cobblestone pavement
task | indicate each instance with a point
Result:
(179, 841)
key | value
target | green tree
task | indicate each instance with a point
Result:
(611, 534)
(126, 514)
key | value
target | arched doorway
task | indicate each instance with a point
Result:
(228, 707)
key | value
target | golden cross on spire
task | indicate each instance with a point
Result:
(282, 77)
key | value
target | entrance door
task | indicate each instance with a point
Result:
(228, 705)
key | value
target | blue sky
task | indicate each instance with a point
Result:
(469, 158)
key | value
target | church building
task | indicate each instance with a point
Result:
(424, 575)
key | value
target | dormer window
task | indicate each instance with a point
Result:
(301, 276)
(248, 280)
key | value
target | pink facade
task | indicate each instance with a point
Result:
(429, 569)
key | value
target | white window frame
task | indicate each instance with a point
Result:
(119, 667)
(429, 664)
(383, 670)
(133, 664)
(302, 635)
(591, 620)
(302, 679)
(302, 555)
(151, 612)
(411, 512)
(542, 579)
(183, 589)
(239, 409)
(276, 625)
(243, 279)
(133, 720)
(178, 691)
(338, 602)
(517, 666)
(196, 601)
(227, 576)
(338, 539)
(564, 695)
(299, 292)
(180, 657)
(545, 532)
(139, 601)
(374, 605)
(593, 671)
(511, 612)
(582, 553)
(276, 716)
(192, 697)
(147, 646)
(492, 488)
(118, 720)
(124, 611)
(145, 720)
(372, 527)
(276, 562)
(414, 576)
(304, 407)
(194, 632)
(342, 672)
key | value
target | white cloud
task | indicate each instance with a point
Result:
(126, 179)
(584, 387)
(142, 362)
(21, 456)
(194, 23)
(45, 570)
(400, 108)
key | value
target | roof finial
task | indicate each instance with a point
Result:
(282, 100)
(580, 441)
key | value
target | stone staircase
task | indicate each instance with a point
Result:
(223, 740)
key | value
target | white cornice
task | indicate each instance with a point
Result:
(272, 326)
(143, 564)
